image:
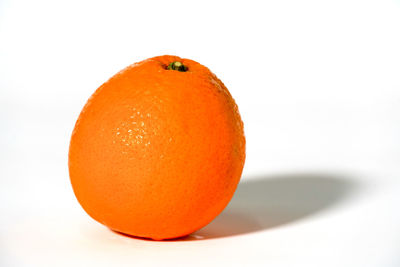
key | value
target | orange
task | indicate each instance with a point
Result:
(158, 150)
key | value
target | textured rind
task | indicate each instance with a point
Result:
(157, 153)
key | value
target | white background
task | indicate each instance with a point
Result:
(318, 87)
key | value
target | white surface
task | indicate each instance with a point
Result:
(318, 87)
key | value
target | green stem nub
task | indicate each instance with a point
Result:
(176, 65)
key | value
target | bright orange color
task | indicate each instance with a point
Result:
(157, 153)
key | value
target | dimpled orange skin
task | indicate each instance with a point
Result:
(157, 153)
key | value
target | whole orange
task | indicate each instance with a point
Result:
(158, 150)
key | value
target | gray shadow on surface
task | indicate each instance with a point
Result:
(264, 202)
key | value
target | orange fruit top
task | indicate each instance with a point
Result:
(157, 152)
